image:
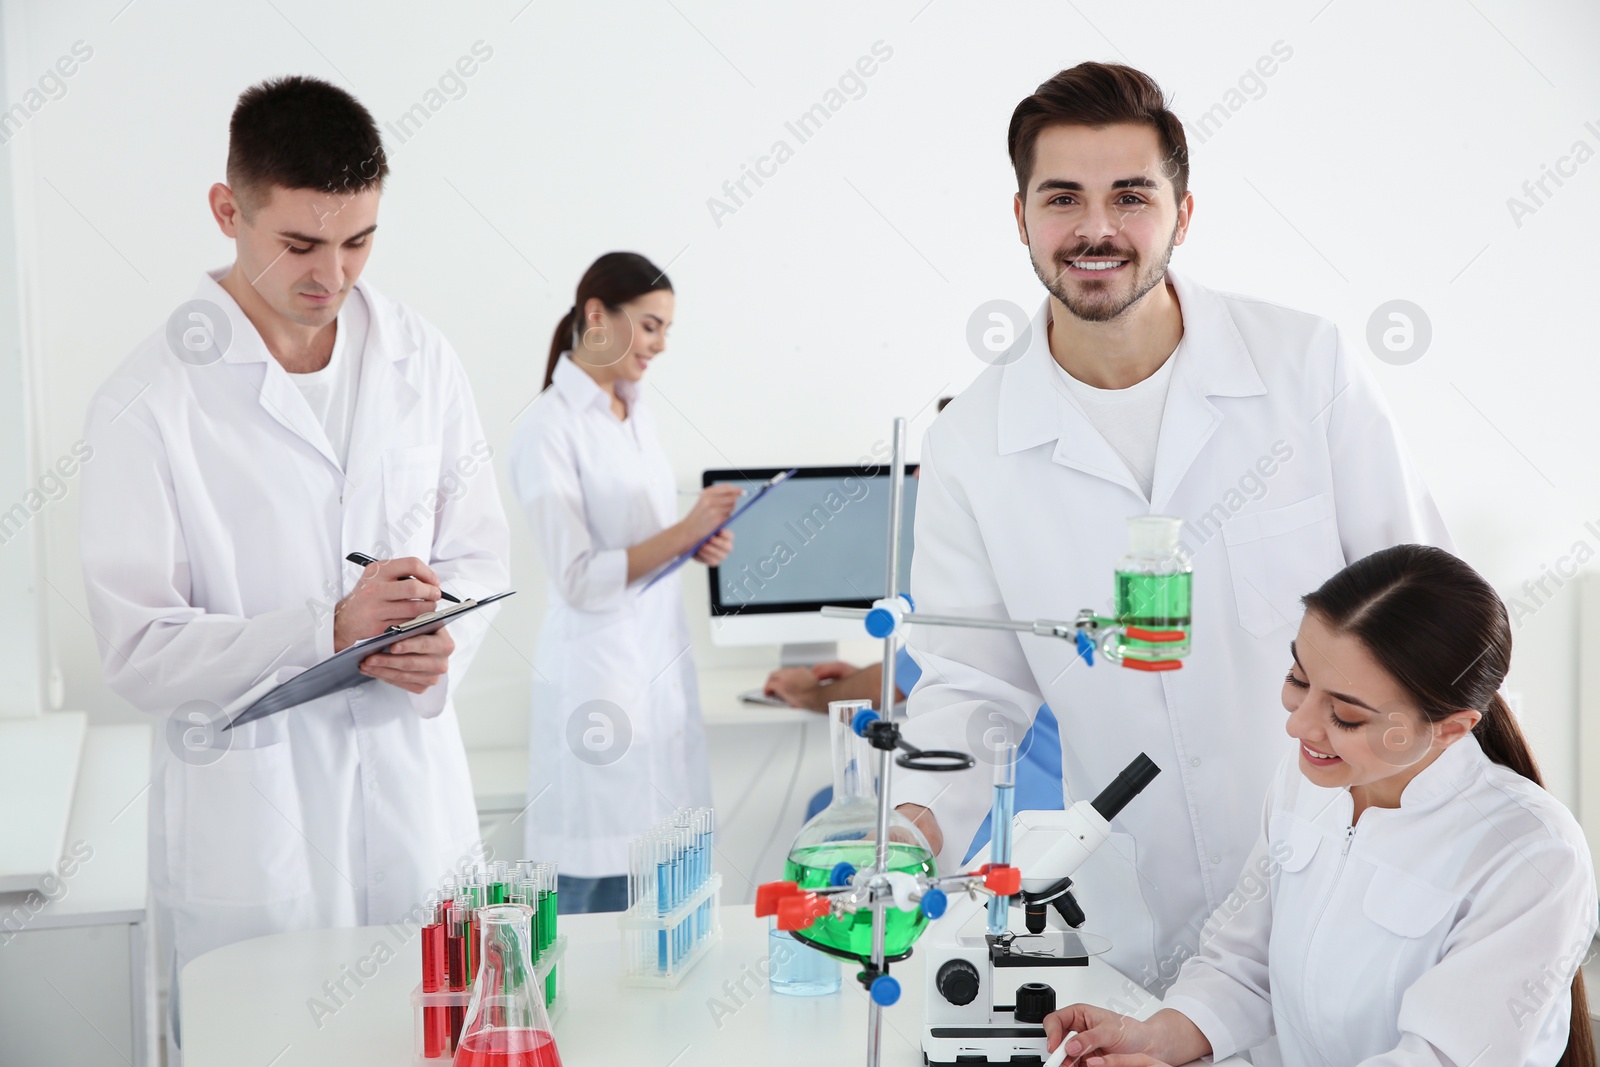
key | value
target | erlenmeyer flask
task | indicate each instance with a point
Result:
(845, 832)
(506, 1024)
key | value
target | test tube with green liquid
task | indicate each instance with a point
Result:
(495, 882)
(547, 923)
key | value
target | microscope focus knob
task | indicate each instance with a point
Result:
(1035, 1000)
(958, 982)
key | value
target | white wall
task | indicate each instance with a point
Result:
(1374, 164)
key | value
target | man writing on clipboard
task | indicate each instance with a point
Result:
(285, 418)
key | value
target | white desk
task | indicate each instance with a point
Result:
(78, 970)
(39, 759)
(246, 1005)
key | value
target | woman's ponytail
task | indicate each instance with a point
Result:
(559, 344)
(1501, 739)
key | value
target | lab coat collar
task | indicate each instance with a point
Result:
(247, 346)
(1449, 773)
(581, 391)
(385, 396)
(1035, 408)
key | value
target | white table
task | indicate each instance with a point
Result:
(246, 1005)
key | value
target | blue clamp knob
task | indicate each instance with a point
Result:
(864, 718)
(1086, 647)
(934, 901)
(885, 990)
(880, 622)
(911, 605)
(841, 874)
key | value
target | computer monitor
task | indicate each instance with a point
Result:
(821, 537)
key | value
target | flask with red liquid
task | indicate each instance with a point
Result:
(506, 1024)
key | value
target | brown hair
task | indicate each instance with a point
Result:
(302, 133)
(614, 279)
(1097, 95)
(1440, 630)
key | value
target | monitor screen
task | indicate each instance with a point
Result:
(820, 537)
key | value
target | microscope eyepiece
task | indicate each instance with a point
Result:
(1127, 785)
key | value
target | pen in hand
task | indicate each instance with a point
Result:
(361, 559)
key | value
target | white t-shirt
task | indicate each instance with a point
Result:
(331, 391)
(1130, 419)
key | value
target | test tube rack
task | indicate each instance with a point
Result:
(672, 919)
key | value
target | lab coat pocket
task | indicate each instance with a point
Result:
(243, 842)
(1292, 842)
(410, 499)
(1277, 556)
(1405, 905)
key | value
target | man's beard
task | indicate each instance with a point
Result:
(1105, 304)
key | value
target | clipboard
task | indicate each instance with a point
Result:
(342, 670)
(723, 525)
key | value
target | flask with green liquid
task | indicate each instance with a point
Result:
(1153, 584)
(845, 832)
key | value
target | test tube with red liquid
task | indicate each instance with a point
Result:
(435, 1020)
(458, 930)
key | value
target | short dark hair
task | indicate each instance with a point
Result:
(1096, 95)
(302, 133)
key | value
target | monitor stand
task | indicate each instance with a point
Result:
(806, 653)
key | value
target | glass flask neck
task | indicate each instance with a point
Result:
(505, 946)
(1155, 546)
(855, 761)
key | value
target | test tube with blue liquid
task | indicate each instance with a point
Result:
(1005, 806)
(666, 867)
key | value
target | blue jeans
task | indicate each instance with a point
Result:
(579, 895)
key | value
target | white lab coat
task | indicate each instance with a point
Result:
(215, 524)
(616, 740)
(1280, 455)
(1444, 931)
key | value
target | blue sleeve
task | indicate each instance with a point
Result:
(906, 671)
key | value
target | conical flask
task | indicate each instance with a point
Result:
(846, 832)
(506, 1024)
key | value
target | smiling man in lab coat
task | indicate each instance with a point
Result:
(287, 416)
(1138, 391)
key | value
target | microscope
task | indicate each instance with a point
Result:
(987, 993)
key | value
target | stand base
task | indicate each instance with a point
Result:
(1000, 1044)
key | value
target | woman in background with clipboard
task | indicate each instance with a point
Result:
(616, 740)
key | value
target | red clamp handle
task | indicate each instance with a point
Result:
(770, 895)
(1151, 664)
(800, 910)
(1139, 633)
(1001, 880)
